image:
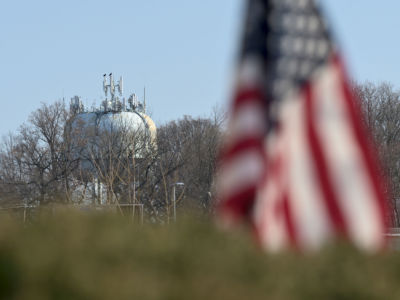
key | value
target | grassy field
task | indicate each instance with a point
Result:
(72, 256)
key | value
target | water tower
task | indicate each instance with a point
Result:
(119, 124)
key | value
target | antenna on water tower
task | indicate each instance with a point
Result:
(105, 86)
(112, 87)
(120, 86)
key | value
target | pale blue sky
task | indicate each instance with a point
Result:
(183, 51)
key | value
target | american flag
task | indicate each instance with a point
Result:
(297, 163)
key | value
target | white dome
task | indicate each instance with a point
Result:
(123, 121)
(90, 131)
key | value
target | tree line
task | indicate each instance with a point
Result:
(44, 163)
(52, 159)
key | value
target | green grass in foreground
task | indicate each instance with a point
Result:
(103, 257)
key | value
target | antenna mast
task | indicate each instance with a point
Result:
(111, 87)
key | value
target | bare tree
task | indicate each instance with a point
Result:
(189, 156)
(36, 161)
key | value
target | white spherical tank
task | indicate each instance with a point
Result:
(127, 129)
(120, 123)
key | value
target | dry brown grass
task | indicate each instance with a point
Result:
(97, 256)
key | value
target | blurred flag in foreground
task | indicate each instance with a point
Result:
(296, 162)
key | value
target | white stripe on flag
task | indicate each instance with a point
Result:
(249, 121)
(298, 181)
(250, 72)
(306, 201)
(268, 218)
(347, 169)
(239, 173)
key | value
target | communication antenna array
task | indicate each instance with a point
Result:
(111, 86)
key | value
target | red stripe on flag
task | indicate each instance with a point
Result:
(238, 205)
(241, 146)
(368, 150)
(290, 227)
(276, 171)
(321, 166)
(247, 95)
